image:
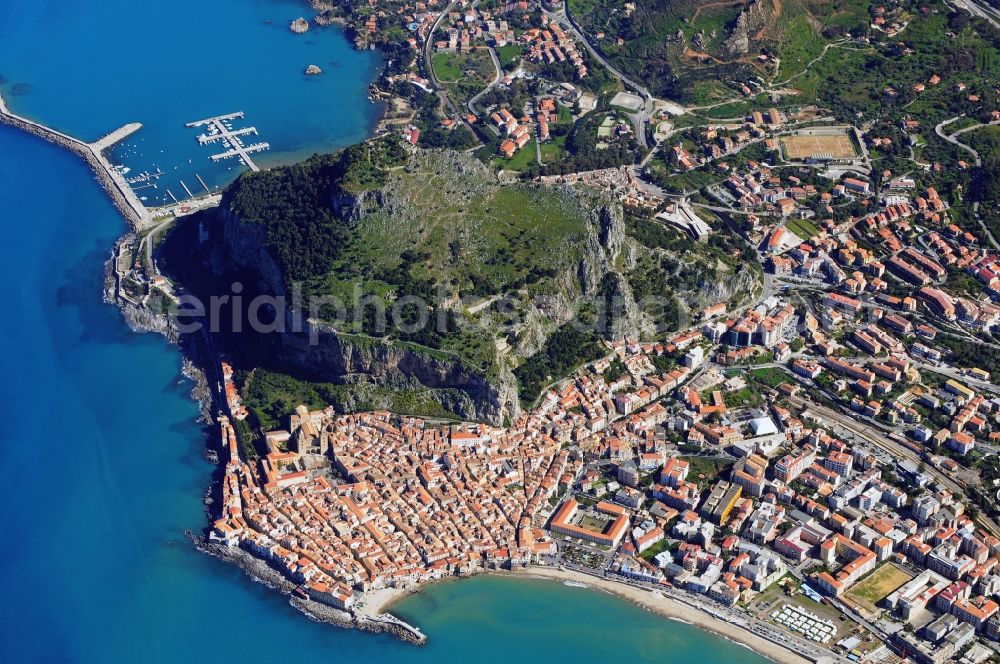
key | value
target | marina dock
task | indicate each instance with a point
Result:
(219, 118)
(219, 131)
(205, 139)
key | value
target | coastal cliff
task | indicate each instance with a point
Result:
(517, 283)
(322, 353)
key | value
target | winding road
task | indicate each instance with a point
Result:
(429, 64)
(496, 79)
(640, 118)
(939, 130)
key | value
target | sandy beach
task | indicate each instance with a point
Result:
(381, 601)
(670, 608)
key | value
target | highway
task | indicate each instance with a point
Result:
(980, 9)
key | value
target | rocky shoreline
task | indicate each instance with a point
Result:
(262, 573)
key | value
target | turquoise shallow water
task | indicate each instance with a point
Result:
(496, 619)
(100, 456)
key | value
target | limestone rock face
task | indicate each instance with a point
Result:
(602, 276)
(750, 21)
(307, 346)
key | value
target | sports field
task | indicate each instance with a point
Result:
(803, 146)
(878, 586)
(627, 100)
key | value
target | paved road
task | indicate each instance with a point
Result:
(496, 79)
(980, 9)
(939, 130)
(639, 120)
(959, 376)
(149, 241)
(429, 64)
(719, 208)
(951, 138)
(807, 649)
(844, 608)
(865, 431)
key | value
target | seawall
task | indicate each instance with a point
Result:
(102, 168)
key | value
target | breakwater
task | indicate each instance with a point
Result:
(263, 573)
(111, 180)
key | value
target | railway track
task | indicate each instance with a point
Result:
(897, 451)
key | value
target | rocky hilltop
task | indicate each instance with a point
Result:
(754, 17)
(508, 276)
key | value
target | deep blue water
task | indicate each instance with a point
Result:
(89, 68)
(100, 454)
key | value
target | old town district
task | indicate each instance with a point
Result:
(636, 467)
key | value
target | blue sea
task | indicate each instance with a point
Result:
(101, 466)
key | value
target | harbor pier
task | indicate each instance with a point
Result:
(110, 178)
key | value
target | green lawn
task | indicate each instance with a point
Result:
(748, 397)
(464, 74)
(447, 67)
(710, 468)
(655, 550)
(509, 55)
(770, 376)
(554, 150)
(593, 523)
(521, 160)
(804, 228)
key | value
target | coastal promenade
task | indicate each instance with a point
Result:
(93, 153)
(707, 615)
